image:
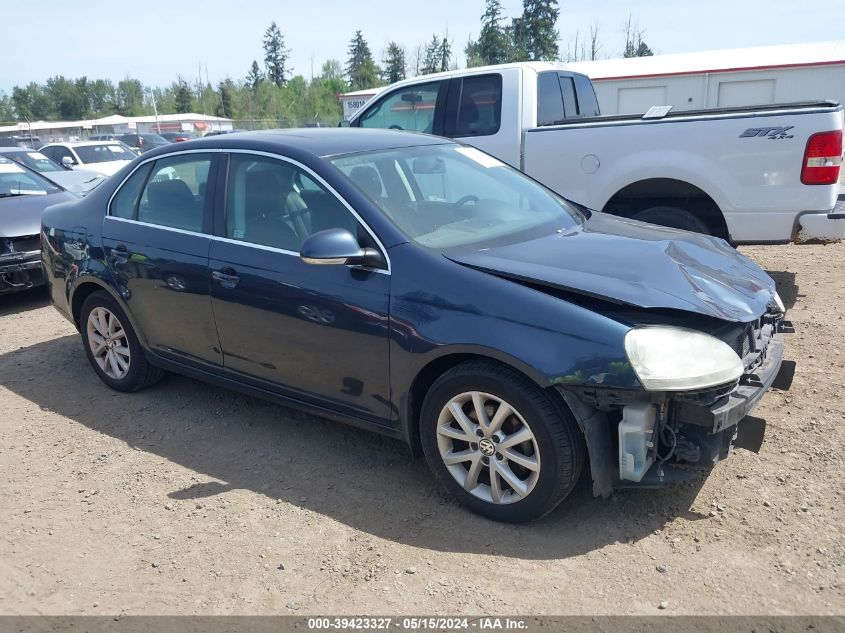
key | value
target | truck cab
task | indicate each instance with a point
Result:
(469, 106)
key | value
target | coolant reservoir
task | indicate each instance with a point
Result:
(636, 443)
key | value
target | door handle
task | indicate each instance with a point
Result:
(225, 277)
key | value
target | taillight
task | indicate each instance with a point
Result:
(822, 159)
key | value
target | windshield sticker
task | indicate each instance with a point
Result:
(10, 168)
(479, 157)
(117, 149)
(36, 155)
(27, 192)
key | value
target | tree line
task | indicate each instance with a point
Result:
(271, 92)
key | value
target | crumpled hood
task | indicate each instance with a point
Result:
(21, 215)
(639, 264)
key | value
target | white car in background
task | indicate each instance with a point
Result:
(79, 181)
(105, 157)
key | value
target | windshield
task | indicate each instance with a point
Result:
(102, 153)
(37, 161)
(445, 196)
(18, 181)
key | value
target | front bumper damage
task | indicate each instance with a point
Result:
(694, 430)
(20, 271)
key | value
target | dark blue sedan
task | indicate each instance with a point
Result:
(420, 288)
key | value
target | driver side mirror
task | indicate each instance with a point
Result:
(67, 161)
(338, 247)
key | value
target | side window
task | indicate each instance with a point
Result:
(60, 152)
(125, 202)
(549, 99)
(275, 203)
(174, 195)
(480, 107)
(410, 108)
(586, 96)
(570, 105)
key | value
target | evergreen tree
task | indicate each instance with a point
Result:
(444, 53)
(537, 32)
(394, 63)
(492, 44)
(431, 56)
(361, 70)
(224, 108)
(275, 55)
(183, 97)
(254, 76)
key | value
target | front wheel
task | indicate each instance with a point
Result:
(501, 446)
(112, 346)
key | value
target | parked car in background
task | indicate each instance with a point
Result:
(219, 132)
(77, 181)
(421, 288)
(105, 157)
(24, 194)
(747, 174)
(104, 137)
(18, 140)
(179, 137)
(143, 142)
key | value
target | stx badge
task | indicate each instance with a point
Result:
(772, 133)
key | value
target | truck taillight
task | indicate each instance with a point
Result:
(822, 159)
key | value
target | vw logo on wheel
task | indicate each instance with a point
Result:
(486, 447)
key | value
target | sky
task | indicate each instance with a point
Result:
(155, 40)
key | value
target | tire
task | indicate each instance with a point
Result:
(673, 217)
(128, 369)
(556, 449)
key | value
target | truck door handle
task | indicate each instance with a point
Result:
(226, 277)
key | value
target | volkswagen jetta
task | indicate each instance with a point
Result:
(417, 287)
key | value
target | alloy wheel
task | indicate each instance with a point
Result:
(108, 342)
(488, 447)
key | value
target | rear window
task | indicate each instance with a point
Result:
(586, 96)
(563, 96)
(549, 100)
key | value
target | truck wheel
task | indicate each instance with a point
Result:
(673, 217)
(498, 443)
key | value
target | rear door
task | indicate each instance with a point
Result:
(156, 239)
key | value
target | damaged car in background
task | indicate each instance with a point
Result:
(423, 289)
(24, 194)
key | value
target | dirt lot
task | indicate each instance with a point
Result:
(188, 499)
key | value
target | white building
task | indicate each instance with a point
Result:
(722, 78)
(57, 131)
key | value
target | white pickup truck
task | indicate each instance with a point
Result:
(760, 174)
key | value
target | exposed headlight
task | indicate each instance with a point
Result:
(779, 304)
(668, 358)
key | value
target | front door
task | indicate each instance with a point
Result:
(314, 333)
(156, 239)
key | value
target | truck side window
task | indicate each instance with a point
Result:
(586, 96)
(549, 99)
(410, 108)
(480, 107)
(570, 105)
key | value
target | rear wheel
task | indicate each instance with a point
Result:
(498, 443)
(673, 217)
(112, 346)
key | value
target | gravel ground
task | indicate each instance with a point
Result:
(189, 499)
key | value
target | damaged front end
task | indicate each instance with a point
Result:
(20, 263)
(651, 438)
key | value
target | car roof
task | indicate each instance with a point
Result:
(15, 149)
(323, 142)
